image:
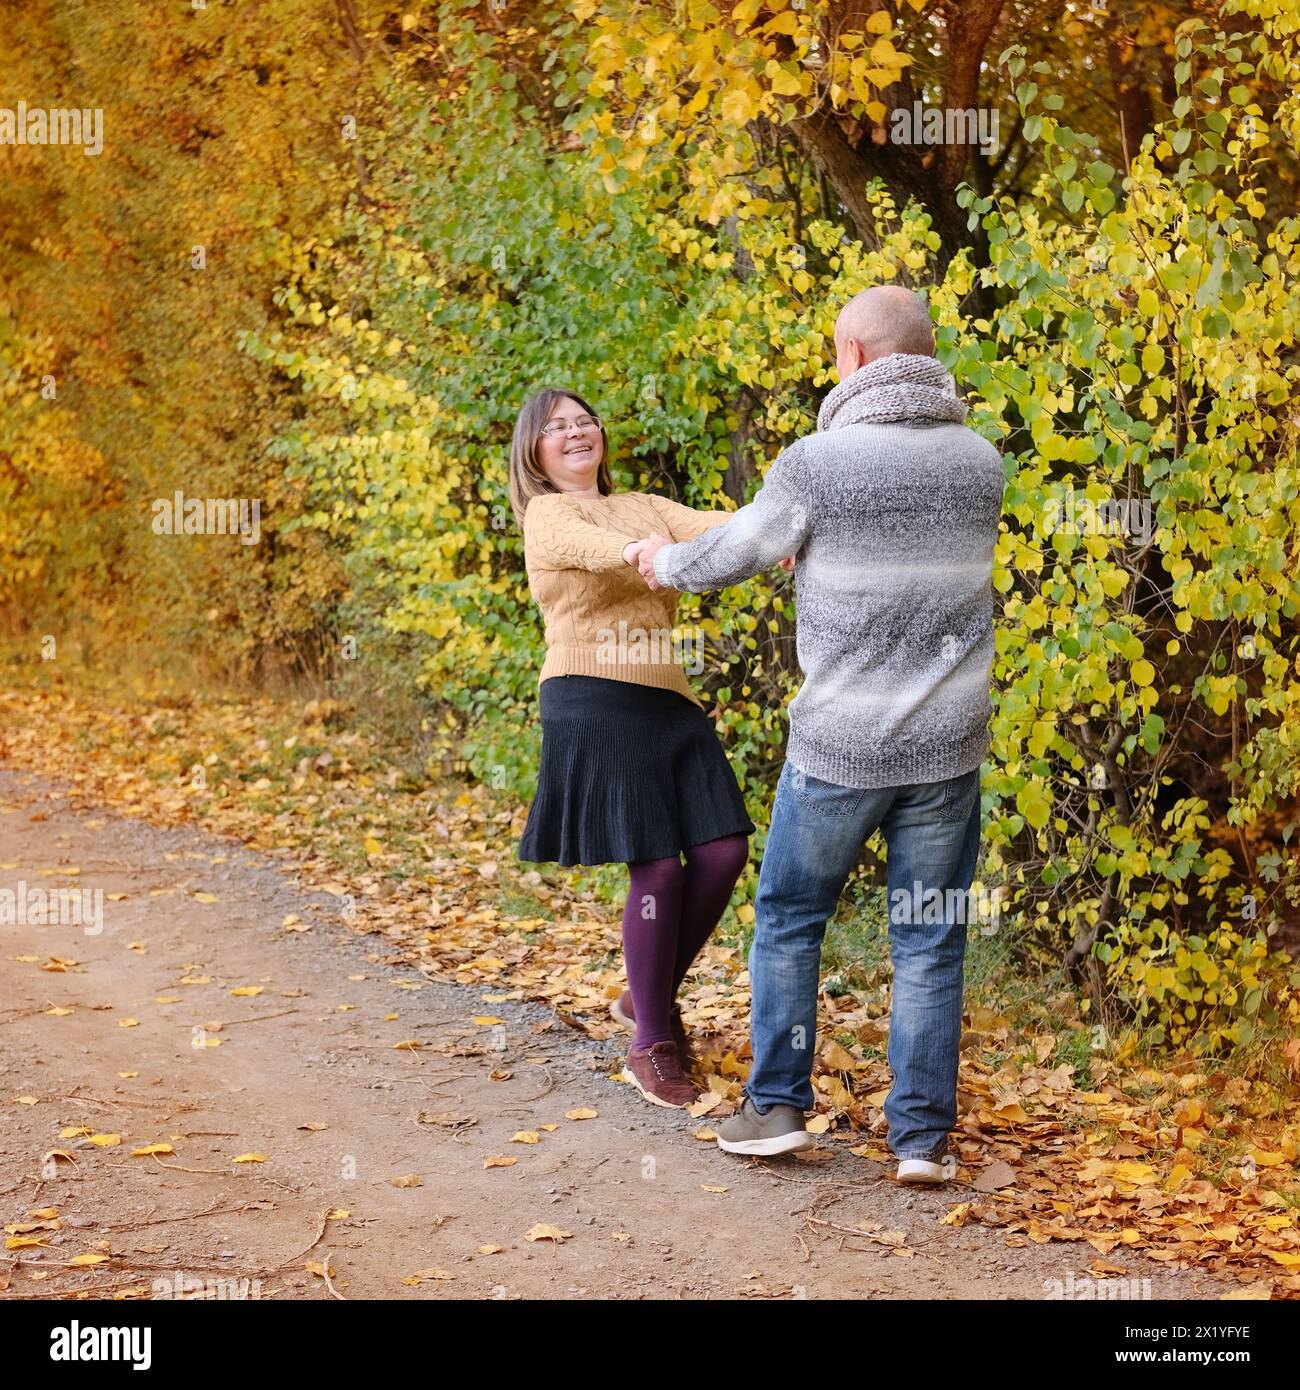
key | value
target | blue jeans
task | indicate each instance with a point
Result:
(932, 832)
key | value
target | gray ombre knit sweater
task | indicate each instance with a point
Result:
(892, 509)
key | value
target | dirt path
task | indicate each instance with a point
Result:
(305, 1074)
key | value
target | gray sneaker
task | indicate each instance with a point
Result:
(780, 1131)
(928, 1170)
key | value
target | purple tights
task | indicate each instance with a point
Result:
(671, 910)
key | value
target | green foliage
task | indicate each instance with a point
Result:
(1143, 354)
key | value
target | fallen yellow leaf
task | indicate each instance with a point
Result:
(837, 1057)
(1177, 1175)
(544, 1232)
(708, 1102)
(422, 1274)
(1012, 1112)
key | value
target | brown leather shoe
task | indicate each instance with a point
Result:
(656, 1071)
(622, 1013)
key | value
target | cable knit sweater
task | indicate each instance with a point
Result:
(601, 619)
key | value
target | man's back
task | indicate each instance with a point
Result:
(892, 507)
(895, 603)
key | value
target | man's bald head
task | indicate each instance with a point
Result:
(878, 321)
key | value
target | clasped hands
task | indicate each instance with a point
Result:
(642, 555)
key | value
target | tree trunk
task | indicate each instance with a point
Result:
(849, 157)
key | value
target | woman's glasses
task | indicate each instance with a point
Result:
(584, 422)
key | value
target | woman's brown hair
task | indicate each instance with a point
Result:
(526, 477)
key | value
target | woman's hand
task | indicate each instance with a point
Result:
(788, 563)
(650, 547)
(641, 554)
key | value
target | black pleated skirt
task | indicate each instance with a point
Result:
(628, 772)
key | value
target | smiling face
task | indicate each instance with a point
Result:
(571, 457)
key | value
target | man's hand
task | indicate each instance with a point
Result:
(788, 563)
(646, 560)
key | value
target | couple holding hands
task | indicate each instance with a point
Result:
(888, 514)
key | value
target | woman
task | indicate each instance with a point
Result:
(631, 770)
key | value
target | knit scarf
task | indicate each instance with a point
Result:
(893, 389)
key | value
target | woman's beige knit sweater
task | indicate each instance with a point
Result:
(601, 619)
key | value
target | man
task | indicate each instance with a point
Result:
(891, 508)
